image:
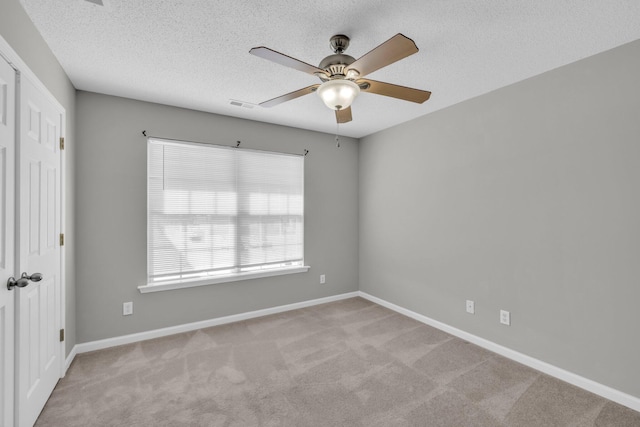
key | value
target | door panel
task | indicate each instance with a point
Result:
(38, 307)
(33, 183)
(51, 188)
(38, 304)
(7, 242)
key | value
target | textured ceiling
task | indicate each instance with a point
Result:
(194, 53)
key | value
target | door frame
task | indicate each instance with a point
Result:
(24, 72)
(7, 211)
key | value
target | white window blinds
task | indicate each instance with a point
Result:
(216, 211)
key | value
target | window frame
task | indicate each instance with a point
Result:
(179, 283)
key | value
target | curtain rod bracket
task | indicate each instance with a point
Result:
(144, 132)
(306, 152)
(237, 144)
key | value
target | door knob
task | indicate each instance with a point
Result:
(23, 280)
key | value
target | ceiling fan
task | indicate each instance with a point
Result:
(343, 76)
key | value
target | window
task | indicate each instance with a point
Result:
(219, 214)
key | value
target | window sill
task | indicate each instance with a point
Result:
(180, 284)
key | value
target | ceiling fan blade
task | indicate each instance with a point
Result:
(394, 91)
(394, 49)
(289, 96)
(343, 116)
(287, 61)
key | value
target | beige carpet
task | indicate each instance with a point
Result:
(347, 363)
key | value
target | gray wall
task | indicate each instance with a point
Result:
(17, 30)
(525, 199)
(111, 203)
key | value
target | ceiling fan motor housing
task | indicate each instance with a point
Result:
(335, 64)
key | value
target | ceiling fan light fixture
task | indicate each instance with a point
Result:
(353, 74)
(338, 94)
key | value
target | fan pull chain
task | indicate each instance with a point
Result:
(337, 134)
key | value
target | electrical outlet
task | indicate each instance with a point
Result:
(471, 307)
(127, 308)
(505, 317)
(322, 279)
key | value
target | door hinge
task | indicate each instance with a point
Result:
(61, 335)
(61, 239)
(62, 142)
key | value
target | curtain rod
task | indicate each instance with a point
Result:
(144, 133)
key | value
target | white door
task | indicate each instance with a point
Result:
(7, 246)
(38, 304)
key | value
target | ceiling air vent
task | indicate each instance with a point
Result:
(237, 103)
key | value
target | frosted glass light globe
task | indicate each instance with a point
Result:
(338, 94)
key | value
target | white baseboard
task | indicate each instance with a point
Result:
(577, 380)
(157, 333)
(69, 359)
